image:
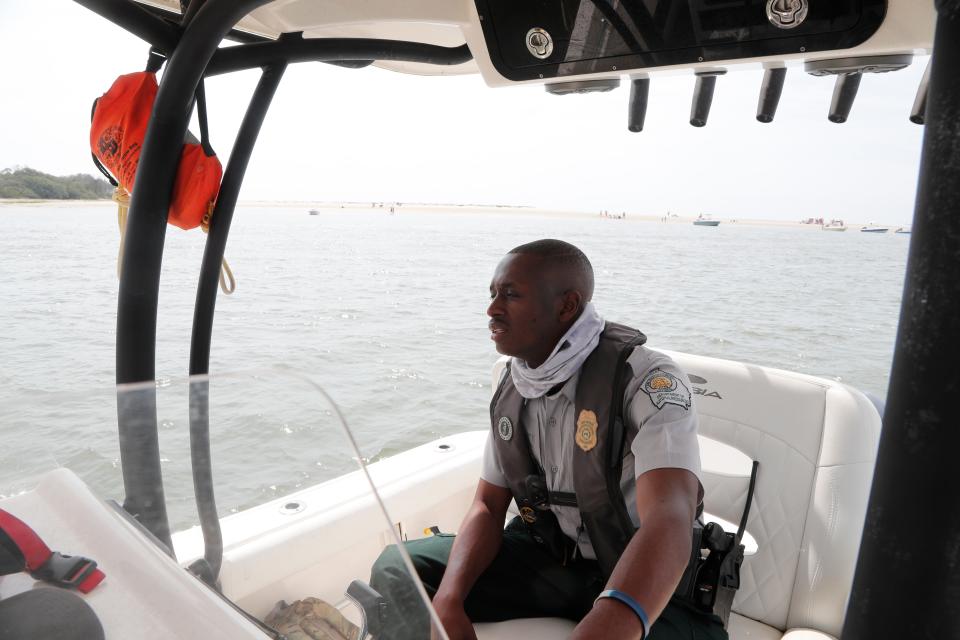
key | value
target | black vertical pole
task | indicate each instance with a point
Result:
(907, 583)
(203, 315)
(143, 253)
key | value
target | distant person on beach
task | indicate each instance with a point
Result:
(575, 551)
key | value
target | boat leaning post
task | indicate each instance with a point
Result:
(200, 459)
(905, 586)
(143, 253)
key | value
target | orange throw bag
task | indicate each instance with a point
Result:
(116, 137)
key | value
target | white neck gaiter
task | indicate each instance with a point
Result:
(574, 347)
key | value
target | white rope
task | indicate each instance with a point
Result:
(228, 283)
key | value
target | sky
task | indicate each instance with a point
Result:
(371, 135)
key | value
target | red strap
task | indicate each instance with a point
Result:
(68, 571)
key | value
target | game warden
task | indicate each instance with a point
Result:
(606, 504)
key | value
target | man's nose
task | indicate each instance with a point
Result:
(494, 309)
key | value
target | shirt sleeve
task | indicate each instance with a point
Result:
(660, 405)
(490, 470)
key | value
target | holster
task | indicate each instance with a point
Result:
(712, 576)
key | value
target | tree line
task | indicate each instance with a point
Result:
(27, 183)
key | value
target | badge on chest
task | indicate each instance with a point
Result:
(587, 430)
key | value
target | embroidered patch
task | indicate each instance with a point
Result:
(587, 430)
(528, 514)
(505, 428)
(665, 388)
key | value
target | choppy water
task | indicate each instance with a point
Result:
(387, 314)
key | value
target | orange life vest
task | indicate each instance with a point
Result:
(116, 137)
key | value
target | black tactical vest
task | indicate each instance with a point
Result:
(597, 458)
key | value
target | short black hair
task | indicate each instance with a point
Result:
(566, 256)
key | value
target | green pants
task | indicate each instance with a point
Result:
(523, 581)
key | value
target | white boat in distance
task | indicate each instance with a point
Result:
(834, 225)
(872, 228)
(706, 221)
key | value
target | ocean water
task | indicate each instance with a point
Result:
(387, 315)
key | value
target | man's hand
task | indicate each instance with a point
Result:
(454, 619)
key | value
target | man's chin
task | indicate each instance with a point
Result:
(502, 349)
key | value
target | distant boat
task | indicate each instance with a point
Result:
(874, 229)
(904, 231)
(314, 212)
(706, 221)
(834, 225)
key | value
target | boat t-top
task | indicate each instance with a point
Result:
(853, 526)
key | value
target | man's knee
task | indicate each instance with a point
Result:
(388, 569)
(428, 556)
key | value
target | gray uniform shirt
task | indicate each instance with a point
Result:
(661, 423)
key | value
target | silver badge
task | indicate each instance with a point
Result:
(505, 428)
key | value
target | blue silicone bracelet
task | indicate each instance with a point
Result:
(630, 602)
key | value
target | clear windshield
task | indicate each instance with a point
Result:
(298, 527)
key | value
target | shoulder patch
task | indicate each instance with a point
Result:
(665, 388)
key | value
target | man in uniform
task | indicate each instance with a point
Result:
(594, 436)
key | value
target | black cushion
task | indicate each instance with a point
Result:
(48, 613)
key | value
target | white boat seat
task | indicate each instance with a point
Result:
(526, 628)
(740, 628)
(816, 443)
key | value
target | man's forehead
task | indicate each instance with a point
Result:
(522, 267)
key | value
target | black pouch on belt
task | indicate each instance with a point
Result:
(541, 523)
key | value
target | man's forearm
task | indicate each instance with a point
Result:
(650, 567)
(477, 544)
(649, 571)
(653, 562)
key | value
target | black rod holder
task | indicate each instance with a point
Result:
(919, 111)
(844, 93)
(143, 254)
(770, 92)
(906, 583)
(637, 111)
(203, 313)
(703, 96)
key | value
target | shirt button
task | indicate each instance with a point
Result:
(554, 468)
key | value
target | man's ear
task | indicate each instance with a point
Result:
(571, 303)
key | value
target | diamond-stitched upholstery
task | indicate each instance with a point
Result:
(815, 441)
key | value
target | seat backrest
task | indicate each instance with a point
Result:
(816, 442)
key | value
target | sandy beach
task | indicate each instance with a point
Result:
(400, 208)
